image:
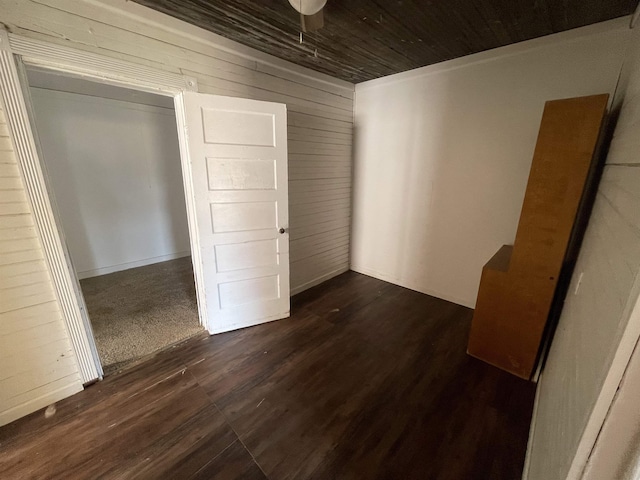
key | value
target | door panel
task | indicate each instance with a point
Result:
(238, 154)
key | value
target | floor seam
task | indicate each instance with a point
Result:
(238, 437)
(228, 423)
(215, 457)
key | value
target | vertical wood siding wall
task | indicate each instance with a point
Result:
(37, 364)
(320, 134)
(604, 289)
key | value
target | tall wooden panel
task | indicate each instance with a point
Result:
(518, 284)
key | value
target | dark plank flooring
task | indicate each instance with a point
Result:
(365, 380)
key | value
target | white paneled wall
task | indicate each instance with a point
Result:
(37, 364)
(320, 134)
(320, 108)
(617, 451)
(117, 179)
(595, 332)
(443, 152)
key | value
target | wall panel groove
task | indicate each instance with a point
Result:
(320, 119)
(598, 328)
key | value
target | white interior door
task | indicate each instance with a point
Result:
(238, 154)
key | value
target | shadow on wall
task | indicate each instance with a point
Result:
(443, 153)
(428, 187)
(54, 138)
(115, 172)
(162, 143)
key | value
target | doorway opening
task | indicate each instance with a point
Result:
(113, 163)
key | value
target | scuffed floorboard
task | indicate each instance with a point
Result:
(365, 380)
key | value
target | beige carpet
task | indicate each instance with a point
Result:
(139, 311)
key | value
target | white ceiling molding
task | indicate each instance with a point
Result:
(115, 71)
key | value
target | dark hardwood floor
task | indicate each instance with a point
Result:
(365, 380)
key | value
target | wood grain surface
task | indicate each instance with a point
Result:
(514, 301)
(365, 380)
(320, 113)
(365, 39)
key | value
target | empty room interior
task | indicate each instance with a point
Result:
(313, 239)
(113, 161)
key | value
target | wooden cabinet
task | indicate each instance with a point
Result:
(518, 284)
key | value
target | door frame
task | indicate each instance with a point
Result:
(16, 52)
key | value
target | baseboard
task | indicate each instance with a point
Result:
(417, 288)
(126, 266)
(318, 280)
(36, 404)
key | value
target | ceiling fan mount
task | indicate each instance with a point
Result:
(311, 17)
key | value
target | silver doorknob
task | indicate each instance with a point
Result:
(282, 230)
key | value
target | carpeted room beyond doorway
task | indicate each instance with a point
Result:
(139, 311)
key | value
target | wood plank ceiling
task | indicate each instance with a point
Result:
(366, 39)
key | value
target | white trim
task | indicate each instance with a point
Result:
(26, 151)
(318, 280)
(127, 265)
(105, 70)
(575, 35)
(628, 341)
(35, 404)
(190, 200)
(108, 70)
